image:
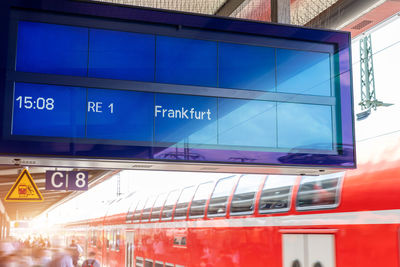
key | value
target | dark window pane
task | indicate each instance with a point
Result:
(147, 208)
(155, 212)
(245, 193)
(200, 198)
(148, 263)
(139, 262)
(246, 67)
(186, 61)
(51, 48)
(183, 202)
(157, 264)
(117, 239)
(219, 198)
(318, 191)
(305, 126)
(121, 55)
(276, 193)
(247, 123)
(183, 241)
(169, 204)
(303, 72)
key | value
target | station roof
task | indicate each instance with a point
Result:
(29, 210)
(355, 16)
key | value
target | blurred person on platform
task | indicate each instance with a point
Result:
(60, 257)
(76, 251)
(8, 261)
(7, 257)
(24, 257)
(41, 257)
(91, 260)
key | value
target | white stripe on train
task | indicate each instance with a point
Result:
(320, 219)
(342, 218)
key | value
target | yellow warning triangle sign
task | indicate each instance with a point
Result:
(24, 189)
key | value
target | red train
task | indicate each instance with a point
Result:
(345, 219)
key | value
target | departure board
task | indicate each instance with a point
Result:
(145, 89)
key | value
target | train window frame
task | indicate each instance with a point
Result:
(139, 210)
(132, 208)
(228, 196)
(212, 183)
(241, 213)
(178, 193)
(150, 200)
(290, 195)
(163, 197)
(338, 193)
(169, 265)
(191, 194)
(140, 264)
(160, 263)
(147, 261)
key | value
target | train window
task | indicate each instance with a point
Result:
(179, 265)
(183, 241)
(275, 196)
(107, 239)
(199, 201)
(183, 202)
(176, 240)
(138, 211)
(169, 265)
(169, 205)
(117, 239)
(139, 262)
(148, 263)
(147, 208)
(158, 264)
(132, 208)
(317, 192)
(112, 238)
(245, 194)
(93, 238)
(155, 213)
(220, 196)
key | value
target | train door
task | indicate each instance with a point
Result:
(129, 249)
(308, 250)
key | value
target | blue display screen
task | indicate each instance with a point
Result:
(52, 48)
(90, 113)
(121, 55)
(141, 88)
(159, 118)
(97, 53)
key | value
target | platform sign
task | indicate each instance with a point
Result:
(24, 189)
(106, 83)
(67, 180)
